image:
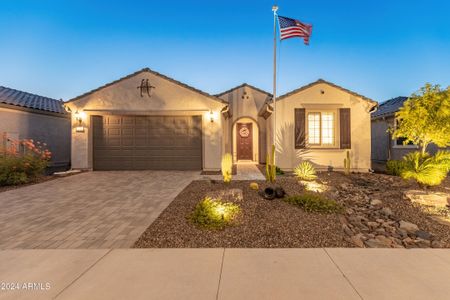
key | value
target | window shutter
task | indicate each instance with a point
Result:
(345, 128)
(300, 125)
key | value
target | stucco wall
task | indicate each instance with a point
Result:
(168, 98)
(45, 128)
(317, 97)
(246, 105)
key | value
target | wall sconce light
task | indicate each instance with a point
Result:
(79, 117)
(211, 116)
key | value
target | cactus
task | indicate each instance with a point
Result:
(271, 168)
(347, 164)
(227, 167)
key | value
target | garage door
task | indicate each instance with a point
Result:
(147, 142)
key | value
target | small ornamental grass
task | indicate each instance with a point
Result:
(395, 167)
(305, 171)
(313, 202)
(214, 213)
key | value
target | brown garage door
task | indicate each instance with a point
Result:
(147, 142)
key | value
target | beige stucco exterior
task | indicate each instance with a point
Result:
(245, 102)
(168, 98)
(324, 97)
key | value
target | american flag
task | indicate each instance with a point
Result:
(294, 28)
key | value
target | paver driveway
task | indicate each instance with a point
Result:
(89, 210)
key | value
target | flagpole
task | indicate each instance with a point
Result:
(274, 9)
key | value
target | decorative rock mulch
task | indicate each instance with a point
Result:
(376, 214)
(370, 222)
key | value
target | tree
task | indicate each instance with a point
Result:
(425, 118)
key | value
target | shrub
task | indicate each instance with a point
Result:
(22, 162)
(427, 170)
(214, 214)
(312, 202)
(305, 171)
(254, 186)
(227, 167)
(279, 171)
(395, 167)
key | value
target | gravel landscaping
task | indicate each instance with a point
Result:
(376, 214)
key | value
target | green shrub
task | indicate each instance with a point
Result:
(227, 167)
(427, 170)
(279, 171)
(23, 162)
(214, 214)
(312, 202)
(305, 171)
(395, 167)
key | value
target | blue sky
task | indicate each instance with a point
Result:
(380, 49)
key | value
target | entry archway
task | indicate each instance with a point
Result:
(245, 137)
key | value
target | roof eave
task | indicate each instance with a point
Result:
(179, 83)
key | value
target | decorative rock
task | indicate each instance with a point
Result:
(230, 195)
(357, 240)
(349, 211)
(409, 227)
(422, 243)
(347, 230)
(436, 199)
(437, 244)
(423, 235)
(387, 211)
(376, 202)
(379, 242)
(373, 225)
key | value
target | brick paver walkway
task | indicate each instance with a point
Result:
(89, 210)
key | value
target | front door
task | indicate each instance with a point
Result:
(244, 141)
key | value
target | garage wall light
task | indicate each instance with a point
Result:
(212, 116)
(79, 117)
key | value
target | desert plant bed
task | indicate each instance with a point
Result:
(374, 214)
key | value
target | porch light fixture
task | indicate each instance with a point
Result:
(212, 116)
(79, 117)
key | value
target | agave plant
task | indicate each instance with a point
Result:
(305, 171)
(427, 170)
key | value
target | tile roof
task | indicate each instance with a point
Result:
(244, 85)
(28, 100)
(389, 107)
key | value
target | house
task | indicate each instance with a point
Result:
(147, 120)
(28, 116)
(385, 148)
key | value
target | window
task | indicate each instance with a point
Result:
(399, 142)
(321, 128)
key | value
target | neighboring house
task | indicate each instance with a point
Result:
(149, 121)
(29, 116)
(385, 148)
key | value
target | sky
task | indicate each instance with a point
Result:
(380, 49)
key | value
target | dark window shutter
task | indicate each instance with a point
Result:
(300, 125)
(345, 128)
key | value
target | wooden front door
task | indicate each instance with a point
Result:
(244, 140)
